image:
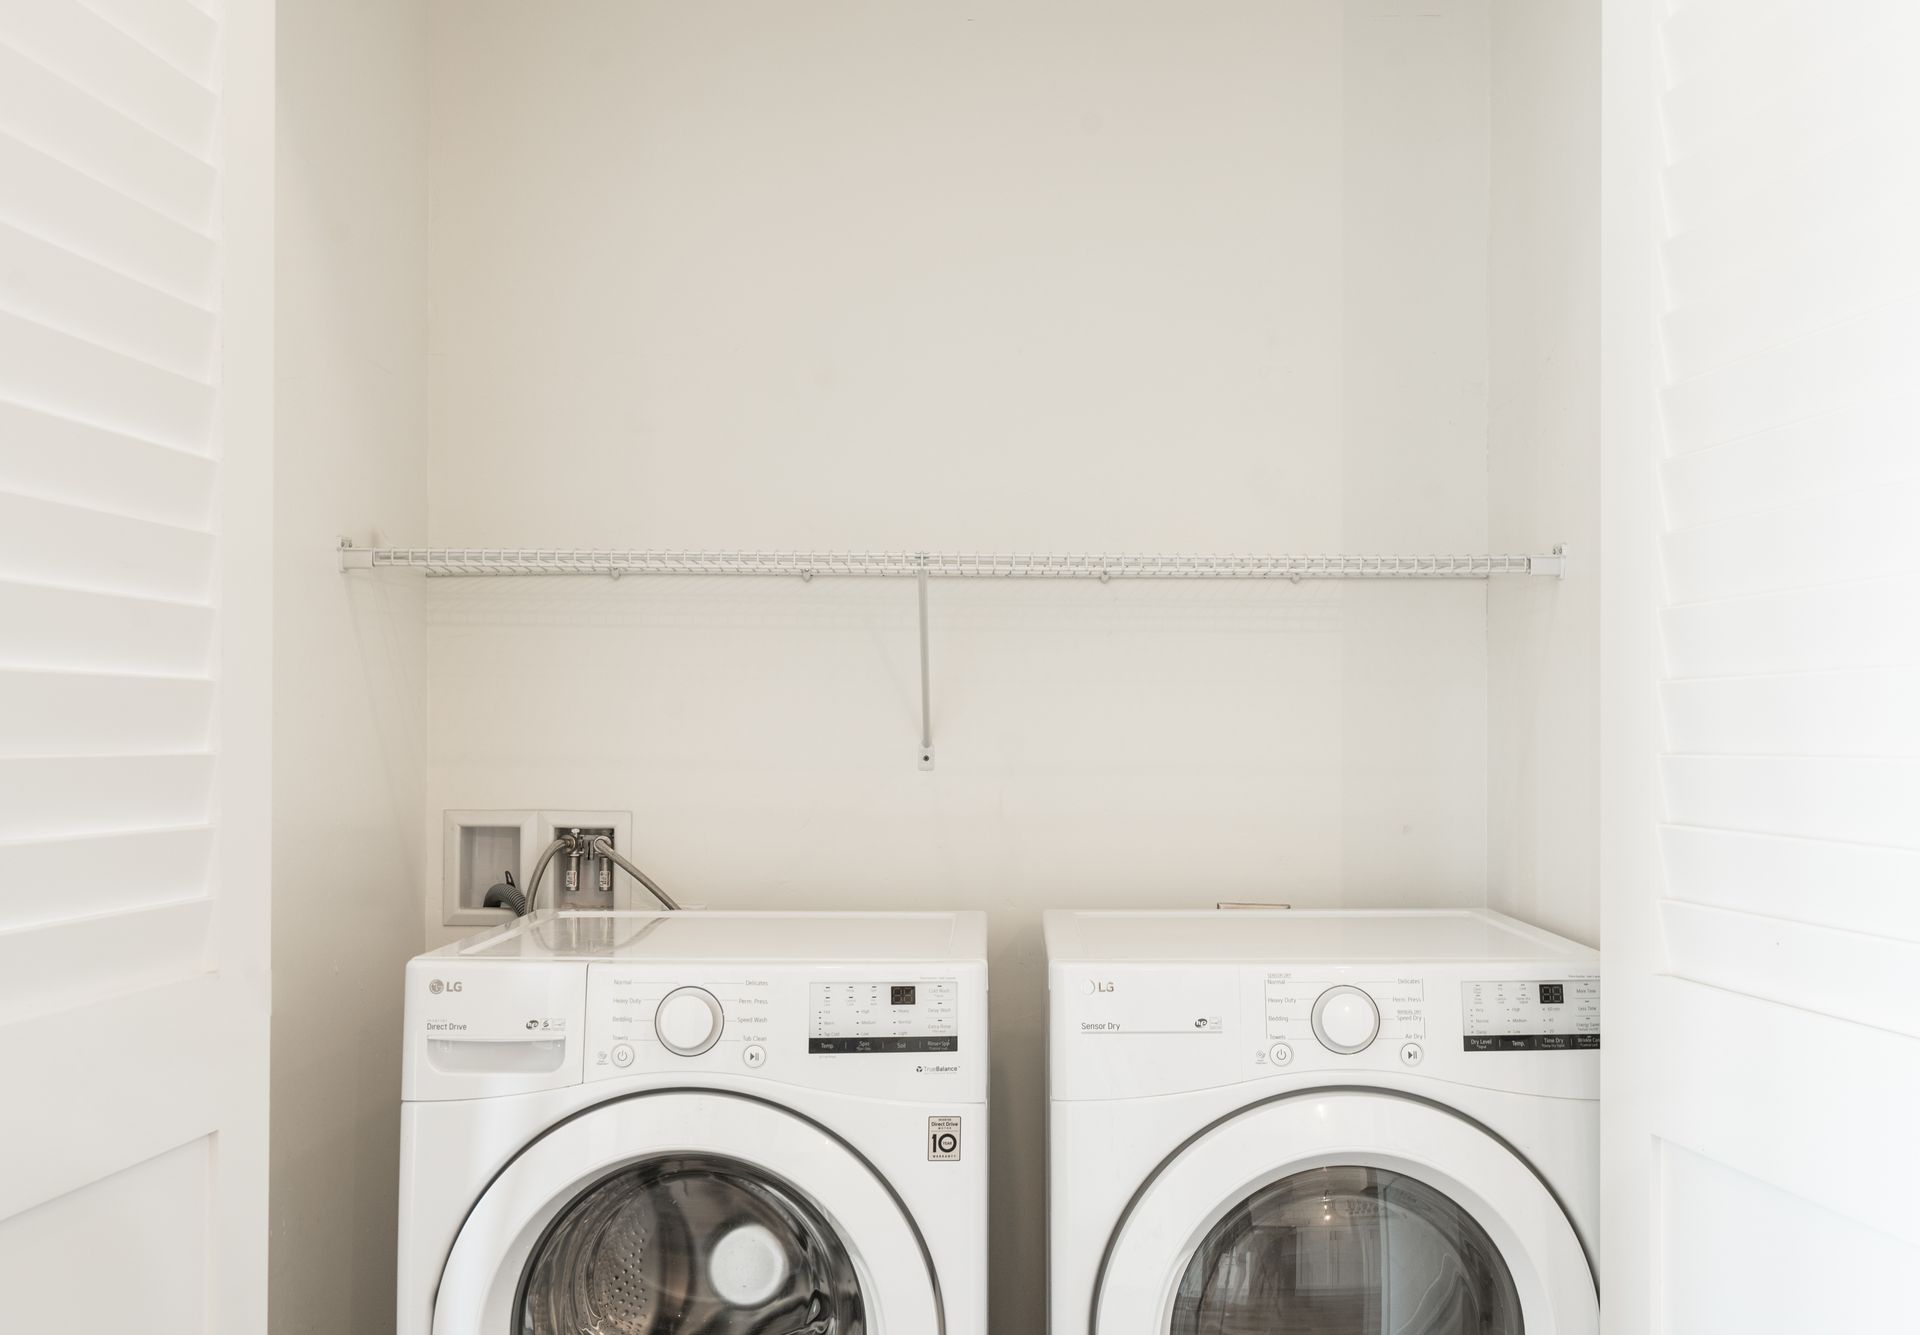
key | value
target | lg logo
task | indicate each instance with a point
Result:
(437, 987)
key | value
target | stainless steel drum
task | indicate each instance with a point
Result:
(1347, 1251)
(690, 1245)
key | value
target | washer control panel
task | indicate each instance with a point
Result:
(859, 1018)
(483, 1028)
(1513, 1015)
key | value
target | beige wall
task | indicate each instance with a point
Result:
(349, 676)
(1543, 445)
(1016, 276)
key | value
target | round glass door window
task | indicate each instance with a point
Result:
(690, 1245)
(1347, 1251)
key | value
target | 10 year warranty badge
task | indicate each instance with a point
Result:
(943, 1139)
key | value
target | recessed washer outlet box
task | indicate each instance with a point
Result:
(621, 892)
(481, 847)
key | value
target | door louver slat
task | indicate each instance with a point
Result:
(110, 65)
(45, 797)
(42, 109)
(54, 199)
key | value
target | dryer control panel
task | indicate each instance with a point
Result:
(1126, 1030)
(1521, 1015)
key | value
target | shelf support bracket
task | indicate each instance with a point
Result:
(926, 672)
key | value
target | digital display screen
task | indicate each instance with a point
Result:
(1553, 994)
(904, 996)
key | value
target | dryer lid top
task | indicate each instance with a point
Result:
(1265, 935)
(688, 935)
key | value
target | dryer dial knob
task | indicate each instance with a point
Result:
(688, 1021)
(1345, 1020)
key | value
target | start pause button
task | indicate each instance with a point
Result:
(943, 1139)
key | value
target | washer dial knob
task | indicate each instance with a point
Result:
(1345, 1020)
(688, 1021)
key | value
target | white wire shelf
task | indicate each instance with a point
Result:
(923, 567)
(483, 561)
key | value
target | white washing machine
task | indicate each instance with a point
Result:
(1270, 1123)
(639, 1123)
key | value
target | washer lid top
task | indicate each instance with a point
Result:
(679, 937)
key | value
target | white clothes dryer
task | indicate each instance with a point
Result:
(1293, 1123)
(636, 1123)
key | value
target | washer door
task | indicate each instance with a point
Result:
(1348, 1213)
(683, 1211)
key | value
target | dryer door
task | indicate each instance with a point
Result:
(679, 1211)
(1348, 1213)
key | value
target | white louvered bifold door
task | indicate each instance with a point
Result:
(135, 549)
(1763, 938)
